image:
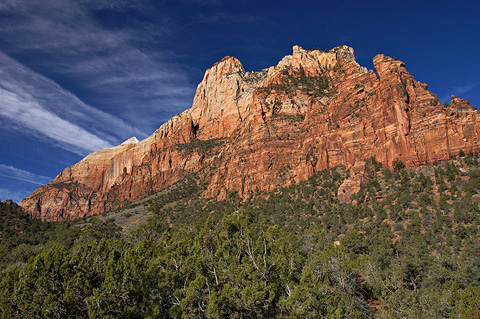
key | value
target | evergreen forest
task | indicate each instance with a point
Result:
(405, 246)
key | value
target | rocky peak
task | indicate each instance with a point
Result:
(386, 66)
(344, 52)
(461, 102)
(226, 66)
(456, 100)
(316, 61)
(216, 109)
(131, 140)
(11, 203)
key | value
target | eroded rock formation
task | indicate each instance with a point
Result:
(261, 130)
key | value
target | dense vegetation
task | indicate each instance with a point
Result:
(293, 80)
(22, 237)
(406, 247)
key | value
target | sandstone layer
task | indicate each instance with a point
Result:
(252, 131)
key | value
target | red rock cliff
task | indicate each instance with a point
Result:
(261, 130)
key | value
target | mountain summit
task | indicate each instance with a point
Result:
(250, 131)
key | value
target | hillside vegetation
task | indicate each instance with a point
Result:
(407, 246)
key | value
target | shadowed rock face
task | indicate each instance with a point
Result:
(261, 130)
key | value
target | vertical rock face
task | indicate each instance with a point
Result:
(360, 174)
(261, 130)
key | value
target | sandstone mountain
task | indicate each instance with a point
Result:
(249, 131)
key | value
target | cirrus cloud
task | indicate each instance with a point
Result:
(35, 104)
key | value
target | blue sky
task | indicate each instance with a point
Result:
(76, 76)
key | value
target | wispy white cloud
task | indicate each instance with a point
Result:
(459, 90)
(33, 116)
(14, 194)
(111, 4)
(202, 2)
(464, 89)
(135, 85)
(344, 39)
(115, 66)
(226, 18)
(65, 70)
(36, 104)
(22, 175)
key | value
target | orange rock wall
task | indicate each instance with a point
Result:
(261, 130)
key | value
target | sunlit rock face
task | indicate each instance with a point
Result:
(260, 130)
